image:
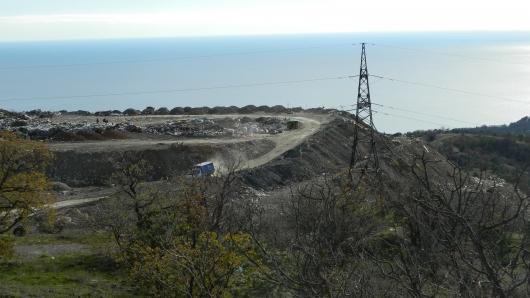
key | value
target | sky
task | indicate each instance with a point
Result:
(29, 20)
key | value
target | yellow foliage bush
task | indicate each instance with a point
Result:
(24, 188)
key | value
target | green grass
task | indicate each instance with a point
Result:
(64, 275)
(84, 275)
(43, 239)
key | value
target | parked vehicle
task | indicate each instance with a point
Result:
(18, 230)
(202, 169)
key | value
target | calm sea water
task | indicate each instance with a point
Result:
(24, 85)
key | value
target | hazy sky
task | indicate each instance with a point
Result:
(95, 19)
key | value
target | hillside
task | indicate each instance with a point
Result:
(517, 128)
(288, 214)
(501, 155)
(501, 151)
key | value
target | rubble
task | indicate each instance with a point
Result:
(40, 125)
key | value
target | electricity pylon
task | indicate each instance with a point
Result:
(364, 159)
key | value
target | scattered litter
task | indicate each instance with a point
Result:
(39, 125)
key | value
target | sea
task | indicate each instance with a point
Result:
(420, 80)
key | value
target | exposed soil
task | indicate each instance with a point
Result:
(88, 163)
(35, 251)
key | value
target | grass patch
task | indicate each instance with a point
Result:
(85, 275)
(44, 239)
(63, 275)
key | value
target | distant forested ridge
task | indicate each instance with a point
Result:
(519, 127)
(502, 150)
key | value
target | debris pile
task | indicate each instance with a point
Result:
(33, 125)
(44, 129)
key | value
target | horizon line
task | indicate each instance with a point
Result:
(274, 34)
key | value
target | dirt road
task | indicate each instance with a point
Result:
(284, 141)
(288, 140)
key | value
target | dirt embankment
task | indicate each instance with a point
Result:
(90, 162)
(321, 147)
(325, 152)
(84, 168)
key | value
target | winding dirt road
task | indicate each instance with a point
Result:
(288, 140)
(285, 141)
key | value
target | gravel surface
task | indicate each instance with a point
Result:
(310, 124)
(35, 251)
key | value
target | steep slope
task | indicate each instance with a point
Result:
(328, 152)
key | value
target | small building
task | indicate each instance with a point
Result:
(293, 124)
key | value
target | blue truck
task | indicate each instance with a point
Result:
(202, 169)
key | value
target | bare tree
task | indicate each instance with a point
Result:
(314, 242)
(457, 235)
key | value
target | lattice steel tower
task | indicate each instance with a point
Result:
(364, 161)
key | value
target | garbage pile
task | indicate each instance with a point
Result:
(44, 129)
(205, 127)
(36, 127)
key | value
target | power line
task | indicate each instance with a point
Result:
(178, 58)
(430, 115)
(448, 54)
(253, 52)
(388, 114)
(451, 89)
(179, 90)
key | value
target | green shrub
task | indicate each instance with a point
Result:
(6, 248)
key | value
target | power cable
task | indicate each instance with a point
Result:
(448, 54)
(376, 81)
(167, 59)
(430, 115)
(450, 89)
(371, 82)
(179, 90)
(388, 114)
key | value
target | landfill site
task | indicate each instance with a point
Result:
(47, 128)
(274, 149)
(275, 153)
(267, 145)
